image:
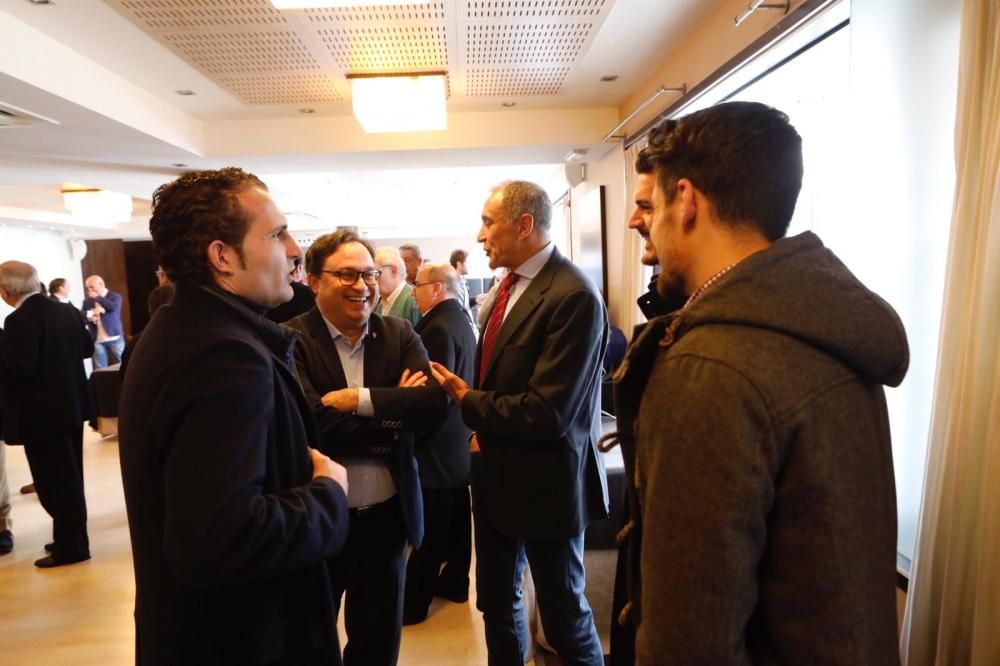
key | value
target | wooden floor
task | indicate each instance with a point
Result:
(82, 614)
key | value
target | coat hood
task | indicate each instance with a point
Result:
(801, 289)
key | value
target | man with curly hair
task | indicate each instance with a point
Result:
(232, 511)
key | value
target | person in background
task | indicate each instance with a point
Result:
(301, 302)
(59, 290)
(413, 259)
(538, 480)
(457, 261)
(232, 511)
(442, 454)
(6, 523)
(102, 310)
(396, 292)
(159, 297)
(776, 462)
(45, 403)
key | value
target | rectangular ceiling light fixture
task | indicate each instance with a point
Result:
(324, 4)
(406, 102)
(91, 205)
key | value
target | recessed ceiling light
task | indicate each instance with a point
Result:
(41, 2)
(184, 92)
(179, 165)
(609, 78)
(507, 105)
(307, 111)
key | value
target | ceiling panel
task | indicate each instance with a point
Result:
(490, 48)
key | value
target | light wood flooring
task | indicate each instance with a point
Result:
(81, 614)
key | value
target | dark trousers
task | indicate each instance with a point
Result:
(557, 569)
(448, 541)
(56, 466)
(369, 573)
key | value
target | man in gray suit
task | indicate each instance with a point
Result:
(538, 370)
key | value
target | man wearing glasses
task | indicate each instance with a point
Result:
(443, 454)
(365, 377)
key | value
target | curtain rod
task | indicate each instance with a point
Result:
(682, 89)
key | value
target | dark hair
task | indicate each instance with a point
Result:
(160, 296)
(457, 256)
(643, 164)
(327, 244)
(56, 285)
(193, 211)
(745, 157)
(519, 197)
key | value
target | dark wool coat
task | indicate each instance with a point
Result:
(755, 432)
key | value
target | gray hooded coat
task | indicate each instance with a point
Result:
(756, 437)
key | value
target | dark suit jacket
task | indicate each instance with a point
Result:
(303, 299)
(391, 347)
(41, 367)
(443, 453)
(540, 475)
(230, 534)
(112, 317)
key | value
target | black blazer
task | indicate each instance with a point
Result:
(230, 534)
(391, 347)
(443, 453)
(540, 475)
(41, 367)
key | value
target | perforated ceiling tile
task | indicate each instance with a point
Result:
(433, 11)
(162, 15)
(534, 9)
(553, 44)
(244, 52)
(286, 89)
(523, 82)
(387, 49)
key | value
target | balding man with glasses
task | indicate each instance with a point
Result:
(366, 379)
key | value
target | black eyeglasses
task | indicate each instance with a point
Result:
(424, 284)
(348, 276)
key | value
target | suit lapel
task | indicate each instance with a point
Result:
(327, 350)
(376, 353)
(525, 305)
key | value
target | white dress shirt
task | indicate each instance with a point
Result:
(368, 479)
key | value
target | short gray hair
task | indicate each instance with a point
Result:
(443, 273)
(389, 256)
(18, 278)
(521, 196)
(412, 247)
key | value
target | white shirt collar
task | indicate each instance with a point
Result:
(531, 267)
(335, 332)
(21, 300)
(391, 298)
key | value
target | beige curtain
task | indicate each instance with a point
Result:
(636, 276)
(953, 608)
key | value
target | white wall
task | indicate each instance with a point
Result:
(609, 171)
(439, 249)
(48, 252)
(900, 182)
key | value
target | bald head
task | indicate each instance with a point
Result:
(435, 283)
(94, 286)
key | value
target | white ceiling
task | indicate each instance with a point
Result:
(107, 73)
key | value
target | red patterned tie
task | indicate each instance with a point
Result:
(493, 325)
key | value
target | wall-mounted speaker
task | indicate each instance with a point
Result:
(77, 249)
(576, 173)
